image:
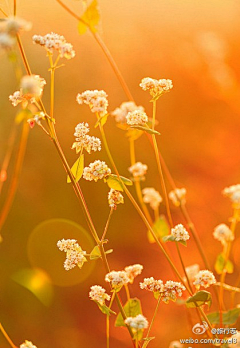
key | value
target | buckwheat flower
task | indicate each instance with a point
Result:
(175, 344)
(96, 170)
(156, 87)
(133, 271)
(138, 170)
(36, 119)
(235, 340)
(97, 101)
(87, 143)
(192, 271)
(81, 130)
(14, 25)
(223, 233)
(171, 290)
(17, 98)
(136, 118)
(99, 295)
(180, 233)
(32, 86)
(233, 192)
(178, 196)
(137, 323)
(117, 279)
(151, 196)
(204, 278)
(114, 198)
(75, 256)
(27, 344)
(6, 41)
(55, 42)
(120, 113)
(152, 285)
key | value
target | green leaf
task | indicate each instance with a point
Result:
(104, 309)
(146, 341)
(77, 169)
(220, 265)
(171, 238)
(114, 182)
(102, 120)
(132, 308)
(228, 318)
(145, 129)
(23, 115)
(95, 253)
(160, 227)
(89, 19)
(199, 299)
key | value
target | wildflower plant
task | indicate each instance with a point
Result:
(185, 288)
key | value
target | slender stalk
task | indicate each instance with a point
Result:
(3, 12)
(7, 337)
(24, 58)
(14, 7)
(17, 170)
(136, 340)
(127, 291)
(183, 266)
(5, 164)
(107, 224)
(107, 329)
(155, 146)
(154, 316)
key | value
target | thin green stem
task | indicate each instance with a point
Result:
(162, 181)
(154, 316)
(107, 329)
(107, 224)
(7, 337)
(14, 7)
(136, 340)
(127, 291)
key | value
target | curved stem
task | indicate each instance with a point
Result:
(17, 170)
(7, 337)
(154, 316)
(106, 227)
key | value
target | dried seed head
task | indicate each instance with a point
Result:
(151, 196)
(99, 295)
(137, 118)
(120, 113)
(96, 170)
(204, 278)
(55, 42)
(180, 233)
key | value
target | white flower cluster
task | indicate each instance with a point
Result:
(75, 256)
(31, 88)
(156, 87)
(168, 291)
(27, 344)
(138, 323)
(151, 196)
(85, 141)
(114, 198)
(96, 170)
(178, 196)
(138, 170)
(223, 233)
(133, 271)
(120, 113)
(36, 119)
(137, 118)
(117, 279)
(55, 42)
(179, 233)
(204, 278)
(97, 101)
(233, 192)
(9, 28)
(99, 295)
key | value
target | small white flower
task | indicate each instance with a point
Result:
(120, 113)
(133, 271)
(223, 233)
(138, 323)
(96, 170)
(14, 25)
(180, 233)
(151, 196)
(152, 285)
(136, 118)
(114, 198)
(117, 279)
(171, 291)
(138, 170)
(233, 192)
(97, 101)
(156, 87)
(75, 256)
(178, 196)
(27, 344)
(99, 295)
(6, 41)
(204, 278)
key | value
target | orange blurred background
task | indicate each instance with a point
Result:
(194, 43)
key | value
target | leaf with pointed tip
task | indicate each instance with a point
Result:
(171, 238)
(220, 264)
(228, 318)
(114, 182)
(145, 129)
(77, 169)
(102, 120)
(199, 299)
(132, 308)
(160, 227)
(89, 19)
(146, 341)
(95, 253)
